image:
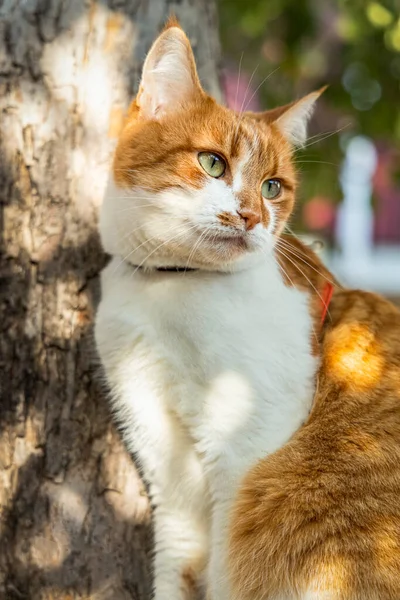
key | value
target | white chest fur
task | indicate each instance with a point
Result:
(229, 354)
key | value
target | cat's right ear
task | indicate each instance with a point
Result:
(169, 77)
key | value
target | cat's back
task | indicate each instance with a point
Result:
(323, 513)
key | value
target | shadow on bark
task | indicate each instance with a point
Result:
(62, 573)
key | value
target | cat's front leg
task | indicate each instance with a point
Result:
(180, 497)
(181, 520)
(180, 554)
(217, 572)
(170, 464)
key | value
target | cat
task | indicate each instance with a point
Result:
(320, 518)
(206, 347)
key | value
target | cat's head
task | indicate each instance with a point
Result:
(194, 183)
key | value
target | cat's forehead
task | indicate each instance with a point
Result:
(239, 137)
(162, 154)
(239, 134)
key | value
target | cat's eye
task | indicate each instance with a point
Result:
(271, 189)
(213, 164)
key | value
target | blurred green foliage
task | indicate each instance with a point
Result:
(352, 45)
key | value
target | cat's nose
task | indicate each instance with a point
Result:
(250, 217)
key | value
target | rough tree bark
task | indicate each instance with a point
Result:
(75, 518)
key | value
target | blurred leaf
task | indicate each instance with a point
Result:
(348, 28)
(392, 37)
(378, 15)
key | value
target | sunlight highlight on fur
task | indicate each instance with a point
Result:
(229, 402)
(353, 356)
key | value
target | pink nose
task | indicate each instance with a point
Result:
(250, 218)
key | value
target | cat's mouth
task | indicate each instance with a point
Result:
(232, 240)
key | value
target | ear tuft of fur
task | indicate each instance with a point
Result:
(172, 22)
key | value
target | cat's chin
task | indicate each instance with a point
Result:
(236, 245)
(226, 251)
(228, 242)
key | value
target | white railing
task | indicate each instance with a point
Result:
(358, 262)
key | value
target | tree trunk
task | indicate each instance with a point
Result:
(75, 517)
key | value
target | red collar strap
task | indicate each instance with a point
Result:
(326, 298)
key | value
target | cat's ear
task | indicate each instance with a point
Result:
(292, 119)
(169, 77)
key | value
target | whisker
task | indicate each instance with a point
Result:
(287, 275)
(132, 208)
(127, 235)
(305, 276)
(262, 83)
(137, 248)
(132, 231)
(316, 135)
(194, 248)
(325, 137)
(168, 216)
(247, 88)
(297, 253)
(238, 79)
(161, 245)
(317, 162)
(125, 198)
(243, 102)
(292, 233)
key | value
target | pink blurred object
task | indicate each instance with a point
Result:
(319, 214)
(387, 191)
(240, 93)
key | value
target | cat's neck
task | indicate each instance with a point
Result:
(141, 260)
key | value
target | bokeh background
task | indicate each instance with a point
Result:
(277, 50)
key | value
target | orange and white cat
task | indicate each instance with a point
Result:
(206, 349)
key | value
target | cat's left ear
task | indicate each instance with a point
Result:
(292, 119)
(169, 77)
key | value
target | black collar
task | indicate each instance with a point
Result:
(166, 269)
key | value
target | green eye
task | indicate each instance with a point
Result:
(213, 164)
(271, 188)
